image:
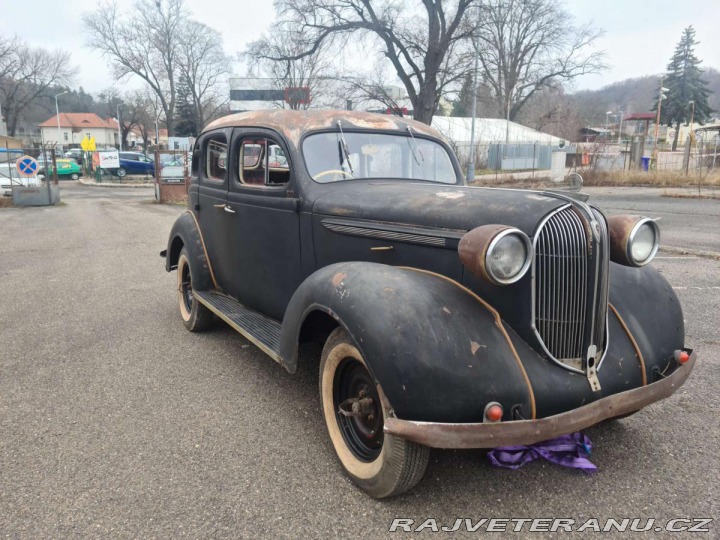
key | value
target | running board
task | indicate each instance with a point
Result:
(257, 328)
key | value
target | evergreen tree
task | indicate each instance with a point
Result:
(186, 124)
(685, 84)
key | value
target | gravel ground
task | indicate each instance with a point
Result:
(117, 422)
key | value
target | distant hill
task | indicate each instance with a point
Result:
(634, 96)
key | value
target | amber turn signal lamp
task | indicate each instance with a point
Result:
(493, 412)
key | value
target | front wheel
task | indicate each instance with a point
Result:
(355, 410)
(196, 317)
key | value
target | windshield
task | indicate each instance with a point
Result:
(332, 157)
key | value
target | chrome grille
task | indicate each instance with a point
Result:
(602, 286)
(561, 286)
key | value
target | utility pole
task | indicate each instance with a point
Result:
(119, 128)
(57, 115)
(470, 176)
(620, 128)
(661, 96)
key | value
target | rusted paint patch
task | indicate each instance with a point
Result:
(338, 278)
(474, 346)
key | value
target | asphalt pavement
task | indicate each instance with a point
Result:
(115, 422)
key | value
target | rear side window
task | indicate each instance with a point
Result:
(216, 158)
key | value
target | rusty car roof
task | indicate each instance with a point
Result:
(293, 124)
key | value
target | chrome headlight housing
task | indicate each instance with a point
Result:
(634, 240)
(497, 253)
(643, 242)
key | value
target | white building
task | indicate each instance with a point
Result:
(75, 126)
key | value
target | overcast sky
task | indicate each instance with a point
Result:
(639, 39)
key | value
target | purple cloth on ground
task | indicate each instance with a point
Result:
(568, 451)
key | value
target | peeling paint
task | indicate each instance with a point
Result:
(446, 310)
(338, 278)
(474, 346)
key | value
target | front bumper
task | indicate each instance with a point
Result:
(517, 432)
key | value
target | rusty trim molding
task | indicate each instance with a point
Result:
(634, 343)
(498, 323)
(202, 241)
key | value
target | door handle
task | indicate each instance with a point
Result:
(219, 205)
(229, 210)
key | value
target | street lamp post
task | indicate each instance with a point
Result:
(57, 115)
(119, 128)
(661, 96)
(607, 124)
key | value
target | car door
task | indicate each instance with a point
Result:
(265, 235)
(214, 217)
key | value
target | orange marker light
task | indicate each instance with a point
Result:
(493, 412)
(683, 357)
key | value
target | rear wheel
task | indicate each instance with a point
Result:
(355, 410)
(195, 316)
(121, 172)
(74, 176)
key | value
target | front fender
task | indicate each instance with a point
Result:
(652, 312)
(438, 351)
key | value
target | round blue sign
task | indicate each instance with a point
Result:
(27, 166)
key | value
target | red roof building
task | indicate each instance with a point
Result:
(75, 126)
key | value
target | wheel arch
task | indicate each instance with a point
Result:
(437, 352)
(185, 233)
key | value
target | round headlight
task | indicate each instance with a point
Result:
(643, 242)
(508, 256)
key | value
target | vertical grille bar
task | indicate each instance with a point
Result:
(562, 282)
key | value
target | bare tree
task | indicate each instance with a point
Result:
(205, 66)
(26, 73)
(528, 45)
(145, 44)
(279, 57)
(422, 39)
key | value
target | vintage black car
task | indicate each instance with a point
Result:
(450, 316)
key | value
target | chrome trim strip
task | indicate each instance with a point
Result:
(388, 231)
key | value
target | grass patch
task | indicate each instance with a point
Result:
(653, 178)
(6, 202)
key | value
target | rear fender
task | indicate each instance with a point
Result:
(186, 233)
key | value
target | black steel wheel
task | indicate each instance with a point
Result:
(195, 316)
(355, 409)
(363, 431)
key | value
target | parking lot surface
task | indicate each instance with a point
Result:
(117, 422)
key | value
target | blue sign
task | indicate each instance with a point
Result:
(27, 166)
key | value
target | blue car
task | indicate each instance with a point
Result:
(135, 163)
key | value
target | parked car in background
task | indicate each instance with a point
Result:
(134, 163)
(449, 316)
(75, 154)
(67, 168)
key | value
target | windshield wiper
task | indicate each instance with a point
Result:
(417, 147)
(343, 147)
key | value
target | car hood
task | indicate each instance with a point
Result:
(436, 205)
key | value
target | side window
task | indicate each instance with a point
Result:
(263, 163)
(216, 158)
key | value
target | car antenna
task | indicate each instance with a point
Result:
(417, 147)
(344, 152)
